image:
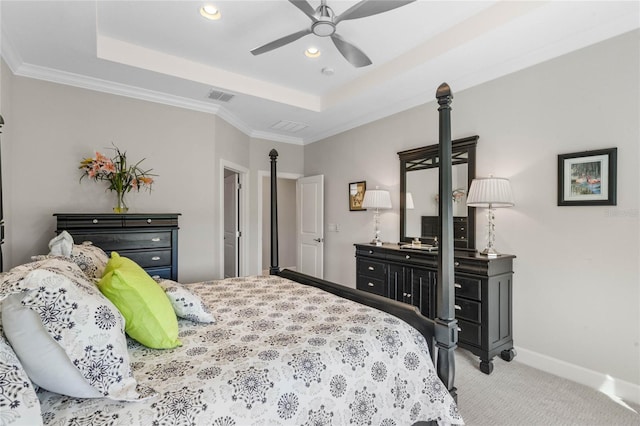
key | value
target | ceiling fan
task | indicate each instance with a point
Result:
(324, 22)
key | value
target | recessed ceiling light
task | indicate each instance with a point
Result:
(312, 52)
(209, 11)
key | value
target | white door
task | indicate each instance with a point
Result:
(231, 232)
(310, 221)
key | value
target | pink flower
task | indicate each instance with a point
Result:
(121, 176)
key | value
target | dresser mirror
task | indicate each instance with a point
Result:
(419, 178)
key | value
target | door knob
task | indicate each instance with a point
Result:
(319, 240)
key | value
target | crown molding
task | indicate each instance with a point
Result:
(21, 69)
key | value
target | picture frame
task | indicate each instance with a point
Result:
(587, 178)
(356, 195)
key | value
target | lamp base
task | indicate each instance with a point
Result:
(490, 252)
(376, 242)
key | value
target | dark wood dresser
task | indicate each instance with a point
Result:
(150, 240)
(483, 292)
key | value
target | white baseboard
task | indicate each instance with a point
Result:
(615, 388)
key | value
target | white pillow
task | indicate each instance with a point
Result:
(71, 314)
(39, 352)
(19, 404)
(186, 304)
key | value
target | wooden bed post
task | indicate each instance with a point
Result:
(446, 324)
(1, 209)
(274, 269)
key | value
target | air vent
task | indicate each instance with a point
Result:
(289, 126)
(217, 95)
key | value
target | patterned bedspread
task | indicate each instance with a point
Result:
(279, 353)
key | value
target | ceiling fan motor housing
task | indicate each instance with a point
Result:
(324, 26)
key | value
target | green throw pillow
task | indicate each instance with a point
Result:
(149, 316)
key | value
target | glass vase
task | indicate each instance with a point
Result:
(121, 206)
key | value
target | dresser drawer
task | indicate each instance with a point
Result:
(372, 269)
(89, 222)
(149, 222)
(469, 333)
(460, 230)
(372, 285)
(468, 310)
(149, 258)
(125, 240)
(159, 272)
(467, 287)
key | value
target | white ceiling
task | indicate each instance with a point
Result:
(167, 52)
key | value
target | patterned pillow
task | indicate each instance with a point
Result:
(91, 259)
(51, 303)
(186, 304)
(19, 404)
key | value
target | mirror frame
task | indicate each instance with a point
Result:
(427, 158)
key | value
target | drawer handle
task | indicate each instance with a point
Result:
(459, 329)
(371, 268)
(457, 307)
(462, 238)
(370, 251)
(456, 263)
(404, 294)
(95, 221)
(370, 284)
(409, 295)
(456, 285)
(155, 258)
(148, 220)
(407, 257)
(462, 229)
(155, 239)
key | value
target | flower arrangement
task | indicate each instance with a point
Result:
(456, 195)
(121, 176)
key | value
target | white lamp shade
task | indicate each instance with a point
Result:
(409, 201)
(490, 192)
(376, 199)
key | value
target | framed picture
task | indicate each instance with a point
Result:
(587, 178)
(356, 195)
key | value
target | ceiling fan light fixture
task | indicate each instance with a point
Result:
(211, 12)
(312, 52)
(323, 28)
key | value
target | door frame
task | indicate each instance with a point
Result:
(261, 175)
(243, 216)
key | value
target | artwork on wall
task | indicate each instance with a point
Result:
(356, 195)
(587, 178)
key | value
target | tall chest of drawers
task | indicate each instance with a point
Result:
(483, 290)
(150, 240)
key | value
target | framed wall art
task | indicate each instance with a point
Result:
(356, 195)
(587, 178)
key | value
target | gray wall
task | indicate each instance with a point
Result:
(576, 282)
(51, 127)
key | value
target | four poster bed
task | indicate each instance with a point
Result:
(254, 350)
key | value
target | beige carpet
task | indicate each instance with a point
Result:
(518, 395)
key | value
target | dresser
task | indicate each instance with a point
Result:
(150, 240)
(483, 290)
(430, 226)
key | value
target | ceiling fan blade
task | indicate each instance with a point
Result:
(370, 7)
(306, 8)
(355, 56)
(280, 42)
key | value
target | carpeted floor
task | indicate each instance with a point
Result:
(518, 395)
